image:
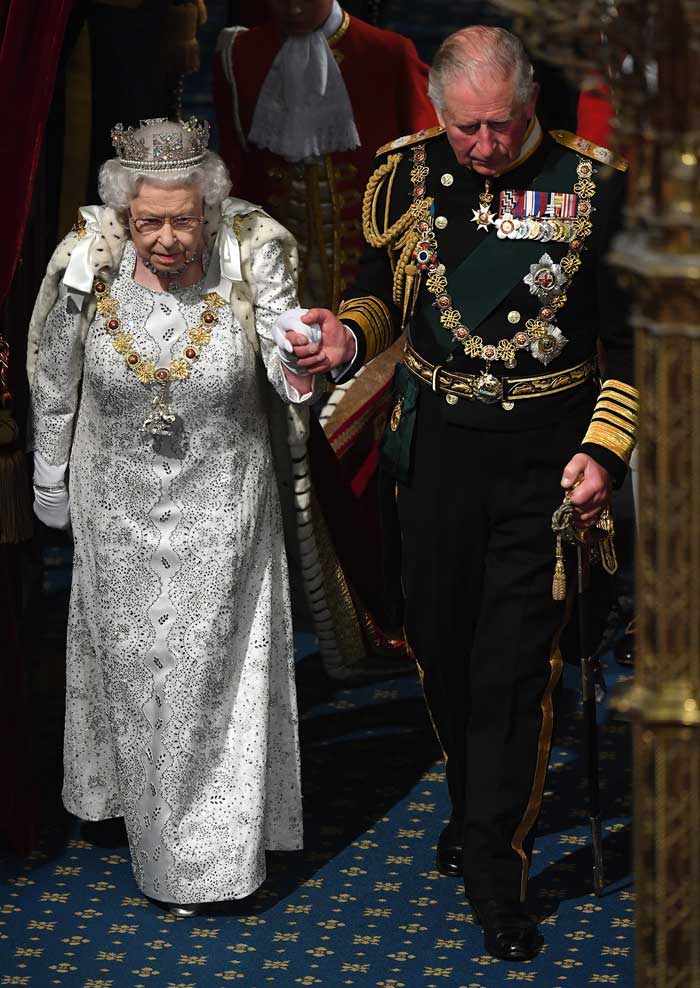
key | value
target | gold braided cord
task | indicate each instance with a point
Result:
(409, 242)
(373, 235)
(387, 200)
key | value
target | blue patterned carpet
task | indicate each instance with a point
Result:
(362, 906)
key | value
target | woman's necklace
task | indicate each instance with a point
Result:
(162, 418)
(172, 276)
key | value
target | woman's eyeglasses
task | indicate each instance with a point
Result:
(152, 224)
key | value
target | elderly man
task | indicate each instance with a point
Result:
(487, 241)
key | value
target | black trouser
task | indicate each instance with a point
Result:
(478, 560)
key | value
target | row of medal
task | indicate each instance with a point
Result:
(509, 227)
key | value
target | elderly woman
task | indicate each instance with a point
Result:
(151, 441)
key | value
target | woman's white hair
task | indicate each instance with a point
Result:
(475, 53)
(118, 184)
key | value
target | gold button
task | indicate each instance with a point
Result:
(447, 179)
(513, 316)
(441, 222)
(451, 399)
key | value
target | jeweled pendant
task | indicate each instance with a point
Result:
(488, 388)
(161, 421)
(483, 218)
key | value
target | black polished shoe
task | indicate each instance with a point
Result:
(509, 933)
(450, 851)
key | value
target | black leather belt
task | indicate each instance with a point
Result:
(487, 388)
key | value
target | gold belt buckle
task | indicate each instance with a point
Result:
(488, 389)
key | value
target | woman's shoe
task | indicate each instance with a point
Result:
(182, 910)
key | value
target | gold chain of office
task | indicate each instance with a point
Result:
(123, 342)
(538, 330)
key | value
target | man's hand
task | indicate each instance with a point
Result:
(337, 346)
(589, 484)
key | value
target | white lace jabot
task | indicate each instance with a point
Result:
(303, 109)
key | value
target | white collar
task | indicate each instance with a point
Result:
(303, 109)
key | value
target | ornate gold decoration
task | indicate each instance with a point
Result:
(541, 336)
(145, 370)
(456, 385)
(79, 227)
(397, 237)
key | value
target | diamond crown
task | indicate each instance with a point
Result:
(160, 144)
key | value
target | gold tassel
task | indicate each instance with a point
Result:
(559, 579)
(410, 272)
(180, 37)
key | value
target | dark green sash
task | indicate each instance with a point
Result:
(492, 269)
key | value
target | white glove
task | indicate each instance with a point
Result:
(290, 321)
(50, 493)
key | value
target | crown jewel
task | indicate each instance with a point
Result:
(160, 145)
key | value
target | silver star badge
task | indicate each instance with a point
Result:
(545, 277)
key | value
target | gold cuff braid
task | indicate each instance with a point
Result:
(614, 420)
(373, 318)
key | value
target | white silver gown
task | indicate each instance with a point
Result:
(181, 706)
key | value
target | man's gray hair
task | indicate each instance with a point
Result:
(118, 185)
(479, 52)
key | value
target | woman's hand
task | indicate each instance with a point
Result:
(50, 493)
(337, 346)
(51, 506)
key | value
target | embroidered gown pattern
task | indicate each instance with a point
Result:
(181, 707)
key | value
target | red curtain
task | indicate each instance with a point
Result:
(29, 52)
(31, 39)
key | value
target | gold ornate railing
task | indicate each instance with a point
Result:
(649, 53)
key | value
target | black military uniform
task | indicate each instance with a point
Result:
(498, 391)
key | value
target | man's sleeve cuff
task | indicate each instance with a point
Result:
(616, 468)
(613, 428)
(371, 319)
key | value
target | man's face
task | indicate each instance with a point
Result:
(484, 126)
(299, 16)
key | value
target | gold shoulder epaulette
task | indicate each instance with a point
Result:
(590, 149)
(402, 142)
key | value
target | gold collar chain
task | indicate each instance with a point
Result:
(541, 335)
(123, 342)
(162, 418)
